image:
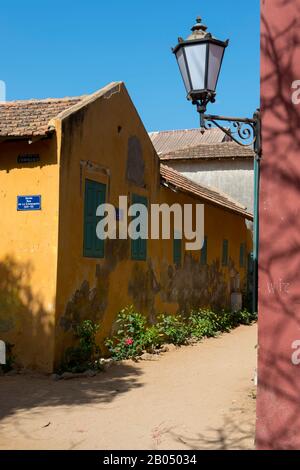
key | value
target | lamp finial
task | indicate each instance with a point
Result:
(199, 29)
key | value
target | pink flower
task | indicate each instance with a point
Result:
(128, 341)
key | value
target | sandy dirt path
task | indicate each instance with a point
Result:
(196, 397)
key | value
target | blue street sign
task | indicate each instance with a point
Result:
(29, 203)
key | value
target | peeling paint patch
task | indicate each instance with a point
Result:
(193, 285)
(85, 303)
(190, 286)
(143, 287)
(89, 302)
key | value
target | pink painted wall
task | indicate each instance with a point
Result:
(278, 406)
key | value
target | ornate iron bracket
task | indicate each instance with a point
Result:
(244, 131)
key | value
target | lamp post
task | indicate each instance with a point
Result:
(200, 58)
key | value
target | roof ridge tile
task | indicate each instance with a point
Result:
(212, 195)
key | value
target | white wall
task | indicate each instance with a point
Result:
(233, 177)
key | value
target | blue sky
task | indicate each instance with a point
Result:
(66, 48)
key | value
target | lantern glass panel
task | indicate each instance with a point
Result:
(215, 59)
(196, 59)
(183, 69)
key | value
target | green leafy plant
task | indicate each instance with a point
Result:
(203, 323)
(243, 317)
(226, 321)
(173, 329)
(133, 336)
(152, 338)
(87, 353)
(129, 339)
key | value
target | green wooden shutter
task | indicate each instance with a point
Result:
(94, 195)
(225, 253)
(177, 251)
(203, 257)
(243, 255)
(139, 246)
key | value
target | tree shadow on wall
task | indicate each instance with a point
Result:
(25, 323)
(279, 262)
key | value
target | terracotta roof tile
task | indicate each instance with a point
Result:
(208, 194)
(169, 141)
(210, 151)
(31, 117)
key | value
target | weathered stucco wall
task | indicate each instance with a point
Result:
(278, 405)
(233, 177)
(106, 142)
(194, 285)
(28, 253)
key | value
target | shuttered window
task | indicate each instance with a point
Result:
(94, 195)
(177, 251)
(203, 255)
(139, 246)
(225, 253)
(243, 255)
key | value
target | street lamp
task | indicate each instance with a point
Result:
(200, 58)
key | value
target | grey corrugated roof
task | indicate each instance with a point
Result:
(169, 141)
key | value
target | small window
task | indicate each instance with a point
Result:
(243, 255)
(139, 246)
(225, 253)
(177, 251)
(203, 256)
(94, 195)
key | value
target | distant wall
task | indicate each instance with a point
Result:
(233, 177)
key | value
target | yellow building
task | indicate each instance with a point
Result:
(58, 159)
